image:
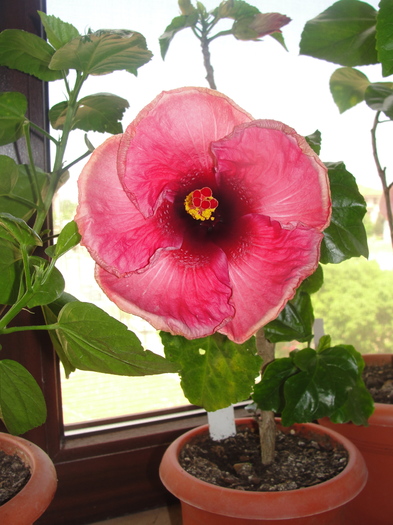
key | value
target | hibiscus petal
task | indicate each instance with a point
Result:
(116, 234)
(168, 144)
(183, 292)
(266, 265)
(274, 172)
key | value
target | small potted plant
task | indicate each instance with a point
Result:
(201, 215)
(325, 37)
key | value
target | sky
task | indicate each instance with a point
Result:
(261, 77)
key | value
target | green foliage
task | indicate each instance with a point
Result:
(214, 371)
(346, 236)
(103, 52)
(22, 404)
(311, 384)
(248, 23)
(343, 34)
(356, 305)
(102, 112)
(385, 37)
(348, 87)
(93, 340)
(13, 107)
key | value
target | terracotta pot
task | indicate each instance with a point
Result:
(203, 503)
(32, 501)
(375, 442)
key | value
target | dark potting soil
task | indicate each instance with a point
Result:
(235, 462)
(13, 476)
(379, 381)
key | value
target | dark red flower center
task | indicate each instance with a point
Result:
(201, 204)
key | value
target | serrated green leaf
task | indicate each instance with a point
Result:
(379, 96)
(13, 107)
(21, 200)
(103, 52)
(348, 87)
(214, 371)
(321, 386)
(17, 230)
(314, 141)
(46, 290)
(385, 36)
(314, 282)
(93, 340)
(57, 32)
(269, 393)
(358, 407)
(22, 404)
(28, 53)
(101, 112)
(11, 268)
(324, 343)
(295, 321)
(343, 34)
(177, 24)
(346, 236)
(68, 238)
(235, 9)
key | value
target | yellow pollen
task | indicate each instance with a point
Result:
(201, 204)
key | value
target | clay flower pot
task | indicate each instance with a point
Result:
(375, 442)
(212, 505)
(32, 501)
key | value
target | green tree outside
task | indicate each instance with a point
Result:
(356, 304)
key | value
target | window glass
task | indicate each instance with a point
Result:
(264, 79)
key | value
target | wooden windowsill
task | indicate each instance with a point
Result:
(161, 516)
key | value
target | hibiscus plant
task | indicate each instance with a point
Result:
(354, 33)
(208, 223)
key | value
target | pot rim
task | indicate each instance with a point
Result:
(383, 413)
(267, 505)
(41, 487)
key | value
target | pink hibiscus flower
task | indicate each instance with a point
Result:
(201, 219)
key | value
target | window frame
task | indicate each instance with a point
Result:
(110, 470)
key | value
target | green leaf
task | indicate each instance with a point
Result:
(48, 286)
(324, 343)
(11, 269)
(13, 107)
(22, 404)
(385, 36)
(177, 24)
(102, 112)
(358, 407)
(235, 9)
(68, 238)
(269, 393)
(314, 282)
(321, 386)
(295, 321)
(379, 96)
(57, 32)
(346, 236)
(343, 34)
(214, 371)
(103, 52)
(8, 174)
(51, 312)
(93, 340)
(348, 87)
(15, 229)
(314, 141)
(28, 53)
(21, 200)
